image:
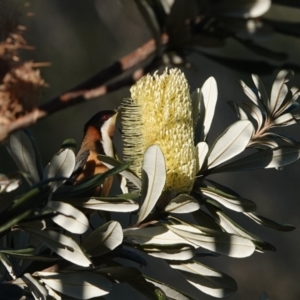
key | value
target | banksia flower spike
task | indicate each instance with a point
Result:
(159, 112)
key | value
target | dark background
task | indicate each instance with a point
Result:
(81, 37)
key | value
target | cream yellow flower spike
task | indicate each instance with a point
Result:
(160, 112)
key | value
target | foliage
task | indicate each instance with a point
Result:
(52, 246)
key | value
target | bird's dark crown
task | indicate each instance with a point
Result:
(99, 118)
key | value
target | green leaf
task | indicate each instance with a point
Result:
(116, 204)
(61, 165)
(182, 204)
(61, 244)
(207, 280)
(28, 253)
(205, 220)
(230, 201)
(22, 151)
(24, 206)
(104, 239)
(90, 183)
(269, 223)
(79, 285)
(110, 162)
(209, 91)
(231, 143)
(270, 158)
(69, 217)
(154, 167)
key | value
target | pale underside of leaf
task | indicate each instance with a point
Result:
(202, 150)
(105, 203)
(262, 92)
(232, 202)
(171, 292)
(155, 167)
(63, 245)
(69, 217)
(205, 279)
(232, 142)
(23, 154)
(80, 285)
(279, 89)
(111, 162)
(104, 239)
(177, 252)
(61, 165)
(210, 95)
(222, 243)
(183, 204)
(270, 158)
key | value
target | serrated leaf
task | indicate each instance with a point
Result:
(22, 151)
(104, 239)
(226, 244)
(206, 279)
(69, 217)
(182, 204)
(210, 95)
(201, 150)
(116, 204)
(61, 244)
(171, 292)
(269, 223)
(232, 202)
(155, 168)
(61, 165)
(270, 158)
(110, 162)
(79, 285)
(232, 142)
(279, 89)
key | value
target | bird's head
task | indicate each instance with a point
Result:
(104, 121)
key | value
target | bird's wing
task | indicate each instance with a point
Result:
(81, 160)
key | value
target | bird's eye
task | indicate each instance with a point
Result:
(105, 117)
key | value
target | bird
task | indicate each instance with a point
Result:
(97, 139)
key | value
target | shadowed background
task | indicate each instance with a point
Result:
(80, 38)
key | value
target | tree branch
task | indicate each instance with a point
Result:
(91, 88)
